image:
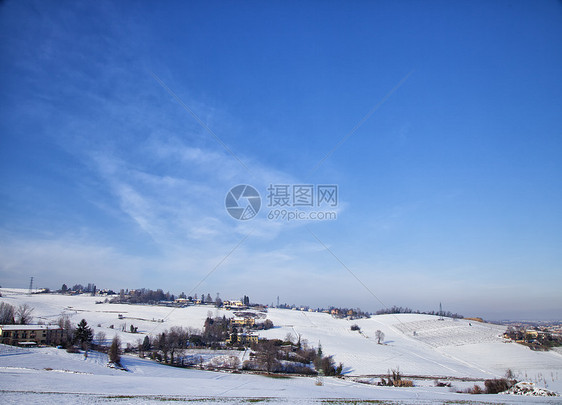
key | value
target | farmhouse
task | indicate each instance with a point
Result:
(242, 338)
(30, 335)
(243, 321)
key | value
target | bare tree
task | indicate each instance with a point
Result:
(177, 340)
(140, 347)
(67, 328)
(267, 354)
(380, 336)
(100, 338)
(299, 343)
(23, 314)
(7, 314)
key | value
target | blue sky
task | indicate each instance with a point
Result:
(450, 190)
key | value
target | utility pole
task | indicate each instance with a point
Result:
(30, 285)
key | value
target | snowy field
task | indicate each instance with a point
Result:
(50, 375)
(438, 349)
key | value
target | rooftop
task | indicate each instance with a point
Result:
(29, 327)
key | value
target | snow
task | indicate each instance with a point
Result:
(528, 389)
(48, 374)
(439, 349)
(28, 327)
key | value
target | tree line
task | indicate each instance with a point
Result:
(401, 310)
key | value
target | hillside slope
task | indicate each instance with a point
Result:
(455, 348)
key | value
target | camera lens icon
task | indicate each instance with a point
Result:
(243, 202)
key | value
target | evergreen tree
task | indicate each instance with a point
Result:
(115, 351)
(146, 346)
(318, 359)
(339, 369)
(83, 334)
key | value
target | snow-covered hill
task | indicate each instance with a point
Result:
(455, 348)
(49, 375)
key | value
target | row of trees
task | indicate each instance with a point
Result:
(10, 315)
(401, 310)
(89, 288)
(216, 330)
(143, 296)
(351, 313)
(277, 356)
(168, 346)
(148, 296)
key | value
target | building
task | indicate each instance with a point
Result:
(30, 335)
(242, 338)
(228, 304)
(531, 335)
(243, 321)
(182, 302)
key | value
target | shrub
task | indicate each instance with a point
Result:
(474, 390)
(268, 324)
(394, 379)
(497, 385)
(404, 383)
(355, 327)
